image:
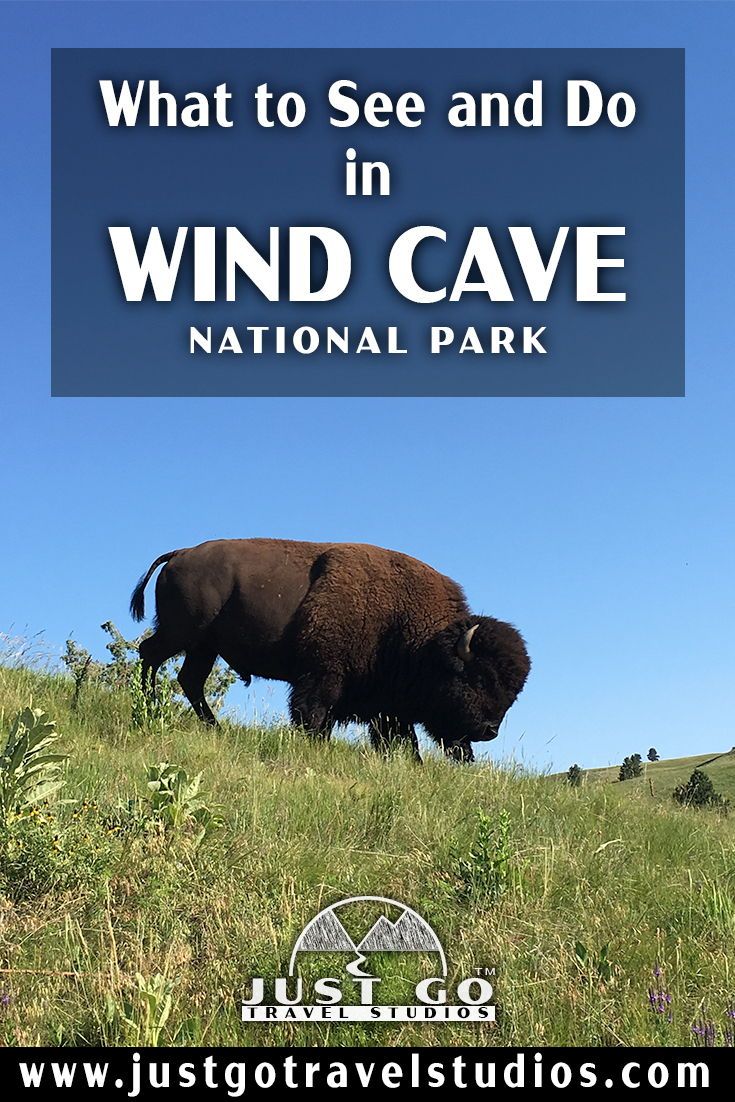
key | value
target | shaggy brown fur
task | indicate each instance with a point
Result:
(357, 631)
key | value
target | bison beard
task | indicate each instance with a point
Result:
(360, 633)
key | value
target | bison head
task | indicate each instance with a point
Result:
(481, 665)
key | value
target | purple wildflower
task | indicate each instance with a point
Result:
(731, 1012)
(659, 998)
(659, 1001)
(5, 999)
(705, 1032)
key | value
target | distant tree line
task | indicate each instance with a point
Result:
(698, 791)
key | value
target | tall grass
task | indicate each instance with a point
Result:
(589, 902)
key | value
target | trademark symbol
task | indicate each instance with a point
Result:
(484, 971)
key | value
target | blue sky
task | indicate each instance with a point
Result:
(602, 528)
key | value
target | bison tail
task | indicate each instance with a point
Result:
(137, 600)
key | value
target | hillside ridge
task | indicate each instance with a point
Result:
(667, 773)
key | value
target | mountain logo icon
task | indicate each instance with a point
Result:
(327, 932)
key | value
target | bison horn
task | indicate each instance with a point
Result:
(463, 647)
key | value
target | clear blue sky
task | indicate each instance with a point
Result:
(602, 528)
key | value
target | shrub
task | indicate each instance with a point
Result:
(147, 709)
(146, 1014)
(631, 767)
(175, 801)
(699, 791)
(122, 670)
(29, 772)
(40, 852)
(485, 872)
(574, 776)
(172, 806)
(653, 754)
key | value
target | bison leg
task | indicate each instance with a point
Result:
(311, 706)
(459, 751)
(154, 650)
(387, 733)
(192, 677)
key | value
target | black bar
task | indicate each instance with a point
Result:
(240, 1072)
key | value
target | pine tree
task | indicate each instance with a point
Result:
(632, 767)
(699, 791)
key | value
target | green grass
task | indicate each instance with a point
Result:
(94, 915)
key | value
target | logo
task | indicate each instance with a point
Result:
(358, 931)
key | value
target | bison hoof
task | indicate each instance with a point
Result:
(460, 753)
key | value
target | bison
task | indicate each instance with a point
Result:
(359, 632)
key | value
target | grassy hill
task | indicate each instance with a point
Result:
(105, 914)
(664, 776)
